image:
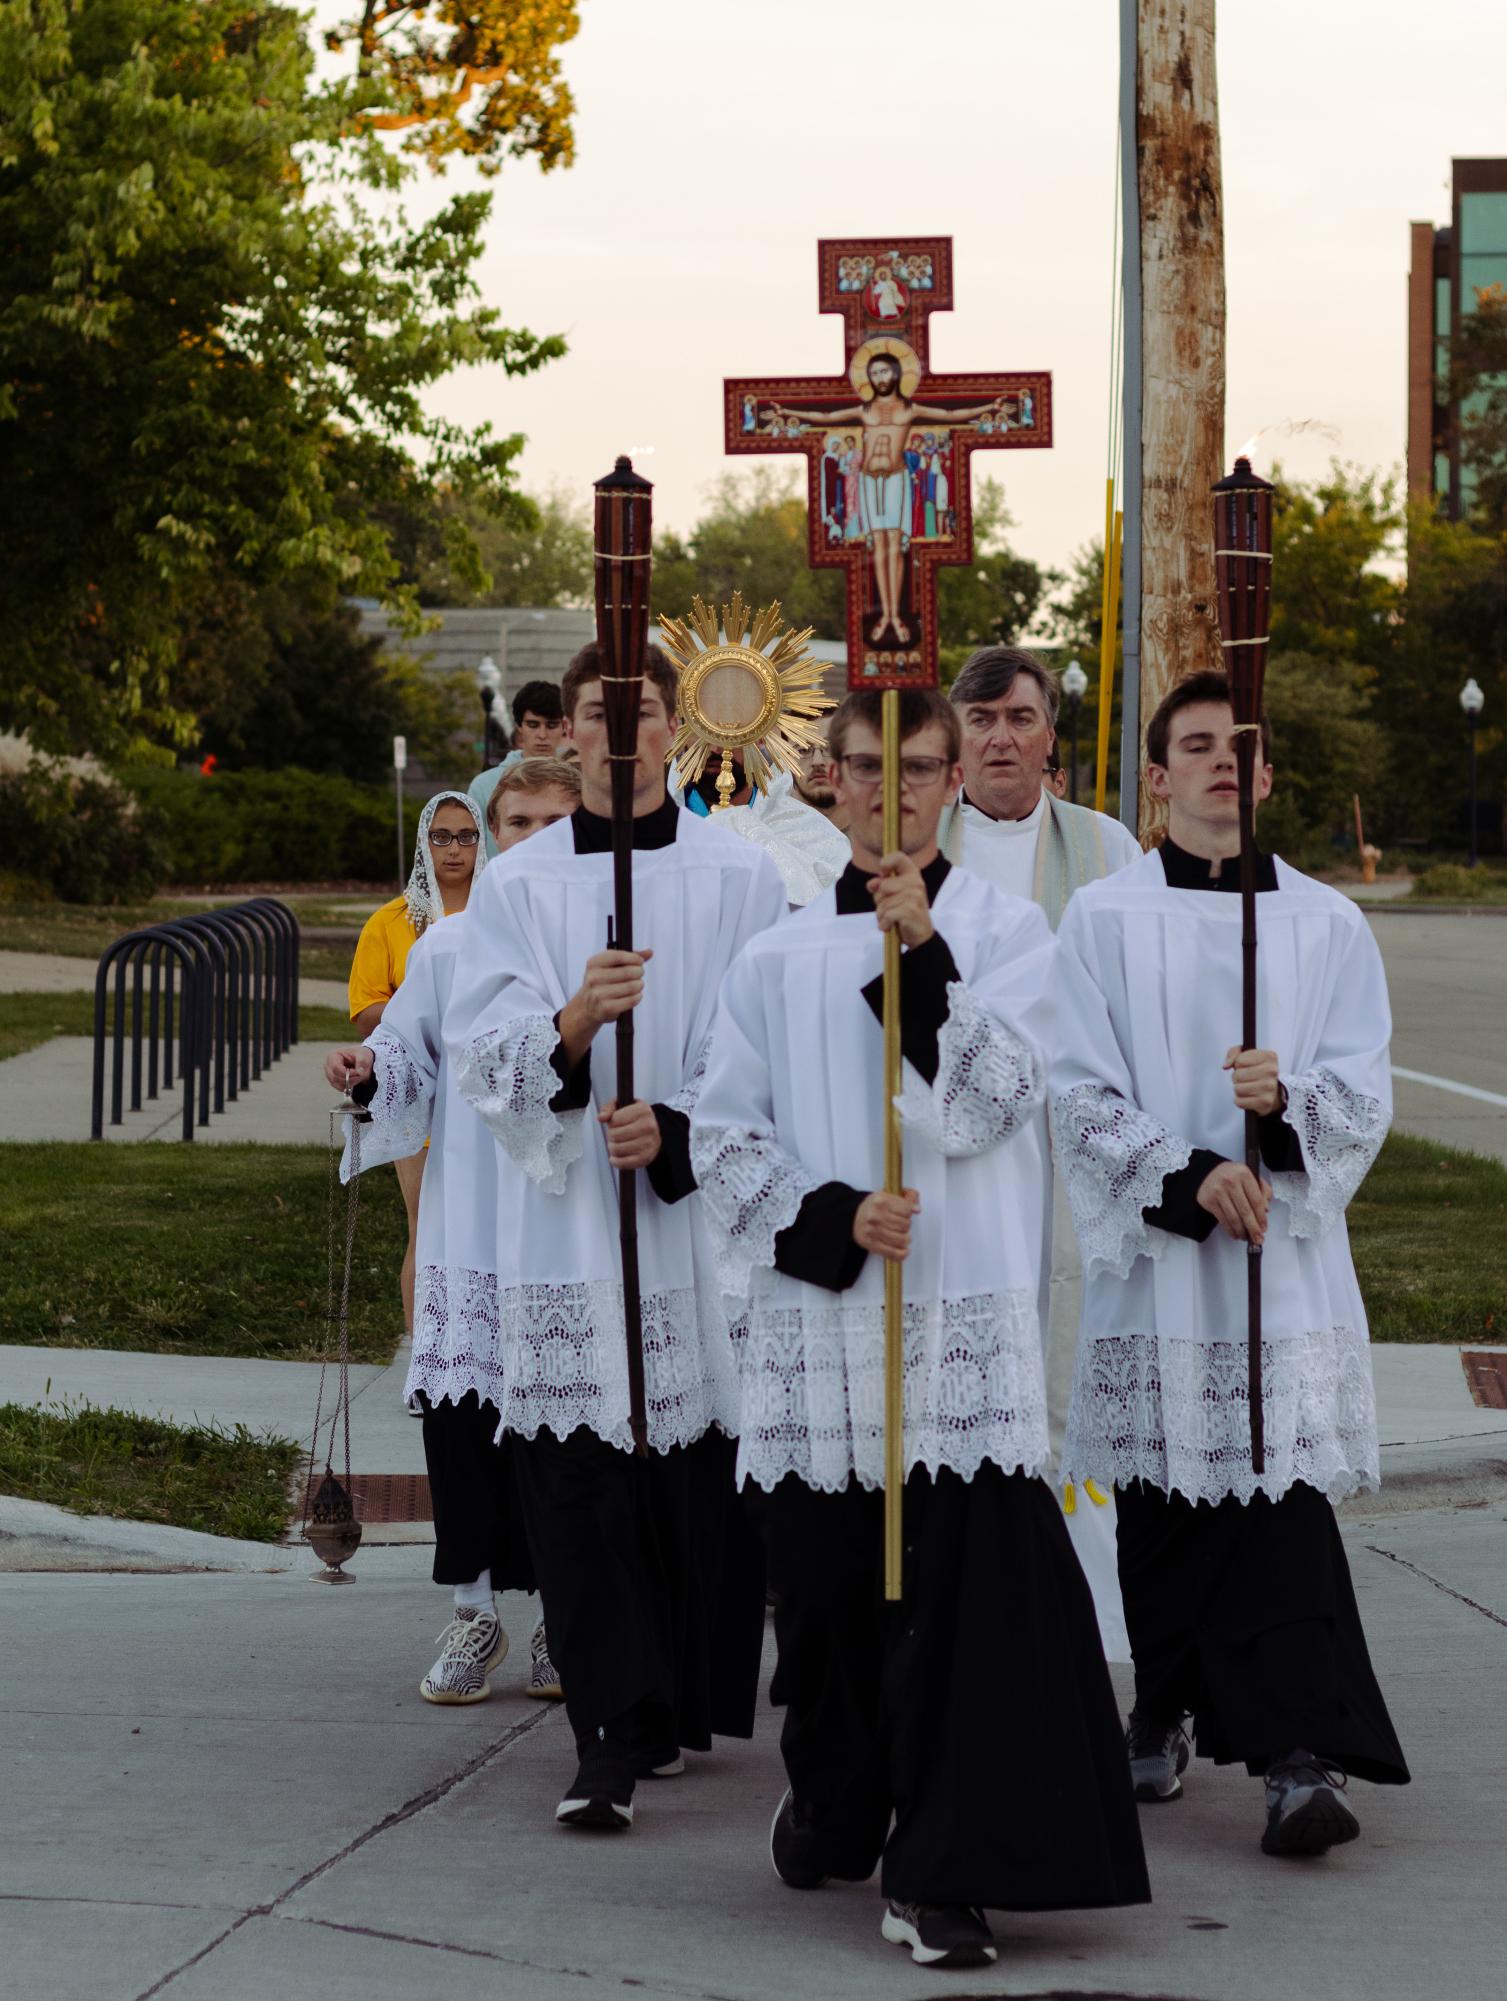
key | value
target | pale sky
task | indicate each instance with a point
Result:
(717, 142)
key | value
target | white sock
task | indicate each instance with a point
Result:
(478, 1594)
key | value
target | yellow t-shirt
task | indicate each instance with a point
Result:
(381, 958)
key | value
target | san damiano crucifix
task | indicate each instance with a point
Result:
(887, 446)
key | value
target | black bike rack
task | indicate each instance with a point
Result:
(220, 987)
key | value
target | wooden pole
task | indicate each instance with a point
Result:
(894, 1299)
(1245, 752)
(1182, 348)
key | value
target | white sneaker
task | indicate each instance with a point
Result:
(543, 1679)
(470, 1647)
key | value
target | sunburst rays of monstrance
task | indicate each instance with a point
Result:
(747, 684)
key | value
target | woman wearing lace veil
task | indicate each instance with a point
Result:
(401, 1075)
(449, 853)
(1237, 1594)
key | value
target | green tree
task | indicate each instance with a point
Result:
(475, 78)
(993, 599)
(751, 539)
(541, 556)
(281, 679)
(215, 355)
(1331, 599)
(1326, 748)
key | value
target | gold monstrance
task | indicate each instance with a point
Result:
(747, 683)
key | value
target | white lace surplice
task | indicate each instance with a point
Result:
(1148, 989)
(806, 848)
(455, 1334)
(537, 919)
(793, 1099)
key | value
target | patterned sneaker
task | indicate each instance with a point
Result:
(470, 1647)
(1159, 1755)
(543, 1680)
(1305, 1814)
(941, 1934)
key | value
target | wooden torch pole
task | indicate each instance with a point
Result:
(894, 1299)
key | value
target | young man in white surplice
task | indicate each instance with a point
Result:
(1236, 1590)
(401, 1075)
(650, 1577)
(917, 1711)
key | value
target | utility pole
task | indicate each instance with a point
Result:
(1174, 360)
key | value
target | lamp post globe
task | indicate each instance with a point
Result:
(1075, 687)
(1472, 701)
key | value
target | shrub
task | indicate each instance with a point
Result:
(1450, 882)
(78, 836)
(272, 826)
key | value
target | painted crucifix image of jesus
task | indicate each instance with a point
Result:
(886, 415)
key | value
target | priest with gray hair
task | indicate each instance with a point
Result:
(1009, 827)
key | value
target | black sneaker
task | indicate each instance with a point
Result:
(1306, 1812)
(660, 1761)
(794, 1845)
(941, 1934)
(601, 1796)
(1159, 1754)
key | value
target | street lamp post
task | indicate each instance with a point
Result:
(489, 685)
(1075, 687)
(1472, 701)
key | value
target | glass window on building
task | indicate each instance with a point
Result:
(1441, 473)
(1483, 225)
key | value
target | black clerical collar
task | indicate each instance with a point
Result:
(1185, 871)
(593, 831)
(853, 886)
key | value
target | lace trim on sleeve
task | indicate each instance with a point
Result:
(753, 1190)
(510, 1081)
(1340, 1132)
(401, 1108)
(988, 1081)
(688, 1096)
(1114, 1158)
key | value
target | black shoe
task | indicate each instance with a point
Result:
(941, 1934)
(794, 1845)
(1159, 1755)
(601, 1795)
(1306, 1813)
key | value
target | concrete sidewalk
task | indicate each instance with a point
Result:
(47, 1094)
(231, 1785)
(56, 973)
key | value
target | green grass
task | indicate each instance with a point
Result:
(1429, 1233)
(110, 1462)
(83, 930)
(28, 1020)
(193, 1250)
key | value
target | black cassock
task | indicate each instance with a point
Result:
(1242, 1613)
(966, 1739)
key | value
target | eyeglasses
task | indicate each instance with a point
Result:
(913, 770)
(442, 837)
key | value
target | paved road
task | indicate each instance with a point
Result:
(1448, 980)
(1447, 972)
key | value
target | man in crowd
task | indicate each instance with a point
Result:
(538, 731)
(401, 1075)
(1015, 830)
(912, 1710)
(1236, 1589)
(655, 1603)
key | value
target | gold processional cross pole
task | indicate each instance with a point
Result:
(887, 446)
